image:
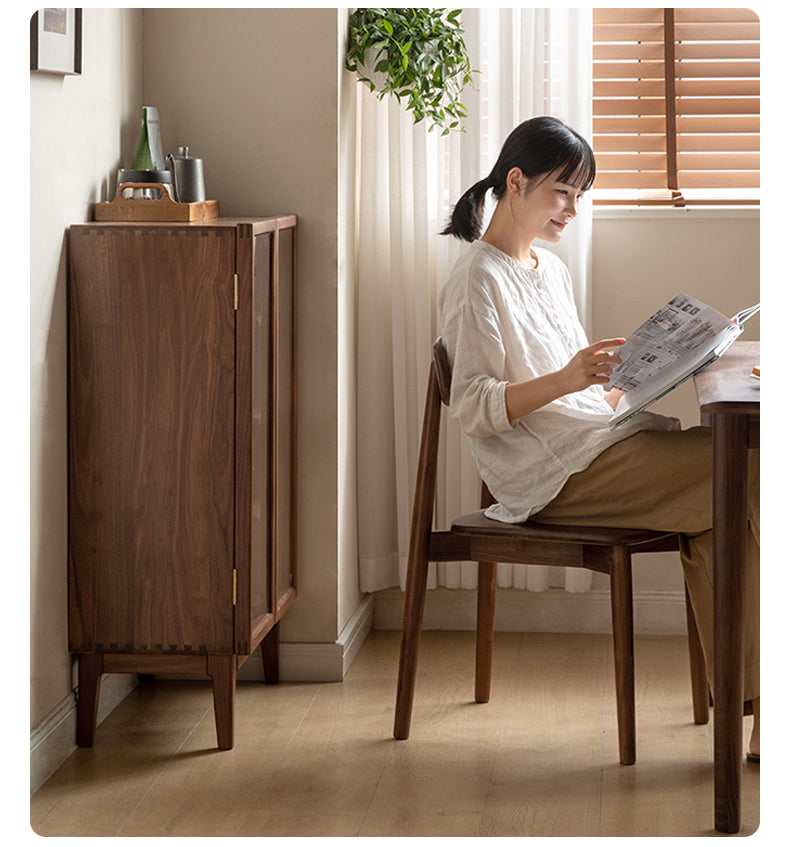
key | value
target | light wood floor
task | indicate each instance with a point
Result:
(319, 760)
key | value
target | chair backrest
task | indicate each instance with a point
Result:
(442, 366)
(425, 489)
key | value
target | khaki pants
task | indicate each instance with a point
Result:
(663, 481)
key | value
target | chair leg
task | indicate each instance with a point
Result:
(486, 605)
(414, 605)
(623, 633)
(700, 692)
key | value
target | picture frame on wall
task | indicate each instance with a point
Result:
(56, 41)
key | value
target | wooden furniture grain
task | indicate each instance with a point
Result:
(729, 401)
(474, 537)
(181, 450)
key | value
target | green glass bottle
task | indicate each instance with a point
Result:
(149, 151)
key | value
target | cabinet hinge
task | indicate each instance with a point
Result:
(236, 292)
(235, 582)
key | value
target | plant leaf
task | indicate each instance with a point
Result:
(422, 56)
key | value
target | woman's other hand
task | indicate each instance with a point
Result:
(613, 397)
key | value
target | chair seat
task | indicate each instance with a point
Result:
(477, 524)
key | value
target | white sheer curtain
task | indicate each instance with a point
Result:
(532, 62)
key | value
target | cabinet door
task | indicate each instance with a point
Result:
(255, 427)
(284, 376)
(262, 433)
(151, 438)
(265, 415)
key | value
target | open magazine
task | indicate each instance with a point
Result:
(675, 343)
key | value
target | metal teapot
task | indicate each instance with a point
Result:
(187, 176)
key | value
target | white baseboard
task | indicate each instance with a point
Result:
(318, 662)
(53, 739)
(555, 610)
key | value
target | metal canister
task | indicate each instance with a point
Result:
(187, 176)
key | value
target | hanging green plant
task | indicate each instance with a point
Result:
(417, 55)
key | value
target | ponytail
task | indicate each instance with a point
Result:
(537, 147)
(466, 220)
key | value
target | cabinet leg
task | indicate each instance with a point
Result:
(222, 670)
(89, 671)
(270, 653)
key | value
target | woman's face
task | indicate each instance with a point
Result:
(544, 206)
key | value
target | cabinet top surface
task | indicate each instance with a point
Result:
(262, 223)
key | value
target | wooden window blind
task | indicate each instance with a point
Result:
(676, 105)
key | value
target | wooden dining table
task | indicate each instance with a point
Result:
(729, 400)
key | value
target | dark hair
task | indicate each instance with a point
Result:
(537, 146)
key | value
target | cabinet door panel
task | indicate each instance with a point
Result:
(151, 442)
(284, 379)
(262, 431)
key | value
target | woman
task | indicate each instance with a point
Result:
(528, 391)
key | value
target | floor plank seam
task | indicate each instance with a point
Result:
(242, 823)
(375, 790)
(609, 718)
(498, 750)
(165, 766)
(608, 696)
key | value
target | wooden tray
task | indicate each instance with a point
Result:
(164, 209)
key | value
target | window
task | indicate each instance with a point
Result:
(676, 105)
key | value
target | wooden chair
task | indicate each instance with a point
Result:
(474, 537)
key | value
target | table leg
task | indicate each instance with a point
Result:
(730, 472)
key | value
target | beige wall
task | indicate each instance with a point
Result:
(348, 573)
(81, 127)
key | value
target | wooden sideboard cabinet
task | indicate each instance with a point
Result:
(181, 451)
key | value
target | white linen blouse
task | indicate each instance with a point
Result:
(502, 322)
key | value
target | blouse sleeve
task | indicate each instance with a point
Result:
(477, 359)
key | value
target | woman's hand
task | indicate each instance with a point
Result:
(590, 366)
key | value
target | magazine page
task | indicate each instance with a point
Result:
(662, 383)
(675, 332)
